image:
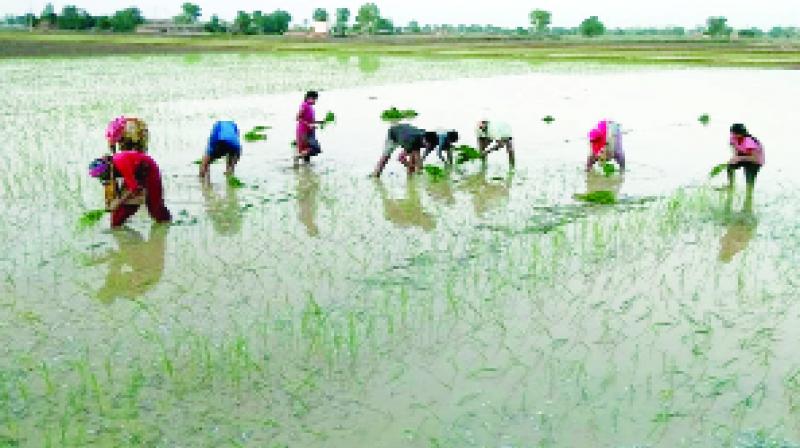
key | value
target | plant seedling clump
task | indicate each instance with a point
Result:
(330, 118)
(705, 119)
(435, 173)
(717, 170)
(91, 218)
(234, 182)
(598, 197)
(256, 134)
(466, 153)
(609, 169)
(395, 114)
(548, 119)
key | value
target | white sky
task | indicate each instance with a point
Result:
(511, 13)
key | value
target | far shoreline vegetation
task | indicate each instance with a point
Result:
(75, 32)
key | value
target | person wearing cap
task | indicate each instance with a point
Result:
(605, 143)
(412, 140)
(224, 141)
(495, 135)
(748, 154)
(444, 143)
(306, 137)
(140, 176)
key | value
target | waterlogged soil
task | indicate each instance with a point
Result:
(315, 307)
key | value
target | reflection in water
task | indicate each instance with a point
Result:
(369, 63)
(596, 181)
(224, 212)
(307, 199)
(741, 227)
(487, 194)
(137, 266)
(441, 190)
(406, 212)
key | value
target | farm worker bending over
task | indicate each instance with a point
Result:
(748, 153)
(444, 142)
(307, 144)
(142, 184)
(223, 142)
(605, 143)
(411, 140)
(495, 135)
(127, 134)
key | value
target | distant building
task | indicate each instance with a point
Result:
(168, 27)
(321, 29)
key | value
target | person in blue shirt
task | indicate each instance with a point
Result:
(224, 141)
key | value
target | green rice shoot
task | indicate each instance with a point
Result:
(235, 182)
(91, 218)
(609, 169)
(435, 173)
(256, 134)
(717, 170)
(466, 153)
(395, 114)
(548, 119)
(705, 119)
(598, 197)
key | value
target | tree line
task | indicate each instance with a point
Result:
(367, 20)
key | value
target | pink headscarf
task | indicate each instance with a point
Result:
(599, 137)
(115, 130)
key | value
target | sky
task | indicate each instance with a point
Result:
(507, 13)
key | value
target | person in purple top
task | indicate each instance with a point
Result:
(306, 138)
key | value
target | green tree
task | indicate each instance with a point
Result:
(540, 20)
(214, 25)
(190, 13)
(126, 20)
(385, 25)
(48, 15)
(278, 22)
(74, 18)
(413, 27)
(718, 26)
(320, 15)
(242, 23)
(342, 19)
(592, 27)
(367, 18)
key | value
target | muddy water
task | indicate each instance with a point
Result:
(317, 307)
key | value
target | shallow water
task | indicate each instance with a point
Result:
(317, 307)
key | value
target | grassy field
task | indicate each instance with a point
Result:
(695, 52)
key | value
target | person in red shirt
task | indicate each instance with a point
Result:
(140, 174)
(307, 143)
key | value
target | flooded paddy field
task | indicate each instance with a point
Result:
(316, 307)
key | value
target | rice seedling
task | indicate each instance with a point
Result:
(91, 218)
(598, 197)
(548, 119)
(609, 169)
(717, 170)
(256, 134)
(235, 182)
(466, 153)
(435, 173)
(704, 119)
(395, 114)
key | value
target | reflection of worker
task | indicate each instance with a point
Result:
(307, 192)
(137, 266)
(406, 212)
(441, 190)
(605, 144)
(741, 230)
(599, 182)
(487, 194)
(225, 212)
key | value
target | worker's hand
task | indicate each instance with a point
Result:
(114, 204)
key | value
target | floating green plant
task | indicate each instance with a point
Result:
(435, 173)
(609, 169)
(466, 153)
(548, 119)
(598, 197)
(705, 119)
(394, 114)
(717, 170)
(256, 134)
(234, 182)
(91, 218)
